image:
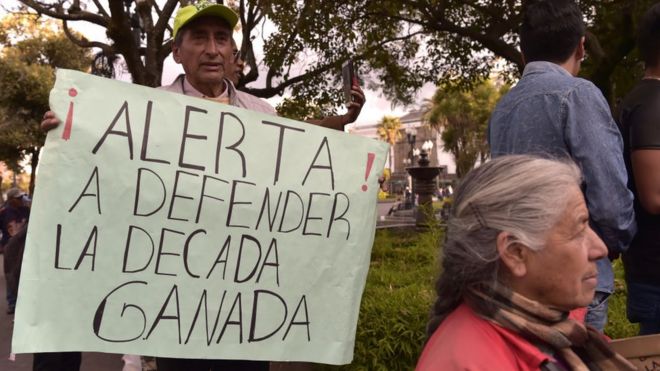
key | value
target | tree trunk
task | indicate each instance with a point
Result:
(34, 161)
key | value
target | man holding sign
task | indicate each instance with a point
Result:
(203, 46)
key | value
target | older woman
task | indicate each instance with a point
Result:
(519, 255)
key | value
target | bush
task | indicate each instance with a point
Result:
(617, 323)
(396, 302)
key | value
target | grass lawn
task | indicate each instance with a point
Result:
(398, 298)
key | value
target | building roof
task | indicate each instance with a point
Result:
(414, 116)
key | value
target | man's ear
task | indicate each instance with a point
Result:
(513, 254)
(175, 52)
(580, 51)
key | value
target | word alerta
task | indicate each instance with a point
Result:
(229, 125)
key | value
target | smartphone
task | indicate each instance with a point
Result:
(349, 76)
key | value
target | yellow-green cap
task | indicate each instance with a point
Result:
(203, 8)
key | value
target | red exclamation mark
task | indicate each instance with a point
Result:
(66, 134)
(370, 162)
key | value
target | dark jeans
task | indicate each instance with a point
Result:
(64, 361)
(12, 265)
(179, 364)
(644, 307)
(7, 266)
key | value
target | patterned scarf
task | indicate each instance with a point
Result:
(581, 348)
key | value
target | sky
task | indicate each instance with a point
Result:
(374, 109)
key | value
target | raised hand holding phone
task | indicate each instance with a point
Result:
(349, 78)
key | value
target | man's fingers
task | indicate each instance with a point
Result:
(48, 125)
(50, 121)
(357, 94)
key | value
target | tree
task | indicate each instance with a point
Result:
(30, 53)
(401, 44)
(389, 130)
(462, 118)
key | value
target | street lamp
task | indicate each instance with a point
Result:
(427, 146)
(411, 135)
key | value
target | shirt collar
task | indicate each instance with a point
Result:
(543, 67)
(191, 91)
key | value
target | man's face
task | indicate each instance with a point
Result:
(234, 66)
(205, 46)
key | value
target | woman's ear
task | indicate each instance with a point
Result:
(513, 254)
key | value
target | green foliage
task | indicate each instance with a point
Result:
(612, 61)
(462, 116)
(404, 44)
(301, 110)
(396, 302)
(398, 45)
(30, 53)
(617, 323)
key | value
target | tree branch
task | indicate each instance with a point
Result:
(84, 43)
(247, 48)
(77, 15)
(164, 17)
(101, 9)
(270, 91)
(491, 42)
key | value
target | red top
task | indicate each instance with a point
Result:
(467, 342)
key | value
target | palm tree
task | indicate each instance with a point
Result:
(389, 130)
(462, 117)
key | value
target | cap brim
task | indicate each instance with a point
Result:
(219, 11)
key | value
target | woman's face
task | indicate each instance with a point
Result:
(563, 274)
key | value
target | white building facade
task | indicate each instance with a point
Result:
(415, 135)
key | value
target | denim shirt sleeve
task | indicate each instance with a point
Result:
(596, 145)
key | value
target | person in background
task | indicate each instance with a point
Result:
(553, 113)
(519, 255)
(639, 121)
(13, 216)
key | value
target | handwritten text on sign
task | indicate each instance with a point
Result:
(175, 226)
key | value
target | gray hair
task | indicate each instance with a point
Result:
(520, 194)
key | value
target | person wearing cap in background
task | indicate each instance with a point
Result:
(13, 215)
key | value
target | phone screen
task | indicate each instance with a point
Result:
(349, 77)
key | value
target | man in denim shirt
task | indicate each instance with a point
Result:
(553, 113)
